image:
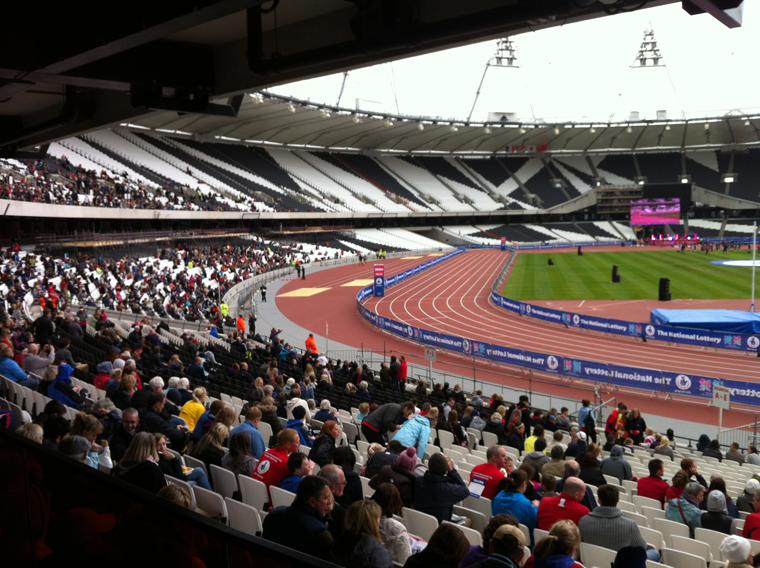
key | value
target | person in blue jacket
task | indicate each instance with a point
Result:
(511, 500)
(299, 466)
(10, 369)
(252, 419)
(296, 423)
(415, 432)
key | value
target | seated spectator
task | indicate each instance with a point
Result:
(516, 437)
(577, 446)
(58, 386)
(156, 419)
(363, 411)
(537, 457)
(393, 533)
(685, 509)
(737, 551)
(360, 544)
(734, 454)
(399, 474)
(572, 469)
(513, 501)
(713, 451)
(304, 518)
(194, 408)
(170, 465)
(566, 506)
(557, 549)
(208, 416)
(439, 489)
(299, 466)
(250, 426)
(653, 486)
(76, 448)
(324, 414)
(616, 466)
(104, 374)
(269, 415)
(753, 457)
(490, 474)
(273, 465)
(296, 401)
(194, 370)
(378, 457)
(548, 485)
(297, 423)
(140, 398)
(555, 466)
(54, 429)
(345, 459)
(495, 425)
(480, 553)
(606, 526)
(36, 363)
(89, 428)
(140, 464)
(718, 484)
(363, 391)
(122, 396)
(184, 394)
(590, 473)
(10, 369)
(324, 445)
(446, 549)
(745, 502)
(209, 448)
(538, 432)
(664, 448)
(716, 518)
(239, 459)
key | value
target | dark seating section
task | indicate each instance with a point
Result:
(441, 167)
(747, 185)
(660, 168)
(367, 244)
(702, 232)
(595, 231)
(621, 165)
(705, 177)
(541, 185)
(137, 168)
(516, 233)
(569, 227)
(373, 172)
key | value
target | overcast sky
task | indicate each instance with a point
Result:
(579, 71)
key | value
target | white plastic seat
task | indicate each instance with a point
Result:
(281, 497)
(446, 438)
(538, 534)
(243, 517)
(625, 506)
(194, 462)
(653, 537)
(266, 432)
(472, 536)
(478, 519)
(179, 482)
(641, 520)
(692, 546)
(651, 514)
(490, 439)
(713, 539)
(526, 531)
(254, 492)
(592, 555)
(668, 528)
(679, 559)
(482, 505)
(640, 502)
(223, 480)
(211, 503)
(420, 524)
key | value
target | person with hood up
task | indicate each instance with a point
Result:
(415, 432)
(61, 389)
(558, 549)
(104, 374)
(616, 466)
(703, 443)
(400, 475)
(685, 509)
(511, 500)
(745, 502)
(716, 518)
(297, 423)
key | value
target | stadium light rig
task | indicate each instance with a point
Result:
(728, 178)
(684, 178)
(641, 180)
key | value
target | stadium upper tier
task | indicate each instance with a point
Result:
(223, 176)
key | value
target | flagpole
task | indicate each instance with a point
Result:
(754, 256)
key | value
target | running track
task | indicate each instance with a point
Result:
(453, 297)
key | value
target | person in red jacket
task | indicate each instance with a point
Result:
(402, 371)
(752, 524)
(611, 426)
(653, 486)
(273, 465)
(488, 475)
(567, 505)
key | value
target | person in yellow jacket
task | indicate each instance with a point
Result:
(224, 309)
(311, 344)
(193, 408)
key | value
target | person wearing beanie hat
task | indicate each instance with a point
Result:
(297, 424)
(737, 551)
(400, 474)
(506, 548)
(75, 447)
(631, 557)
(717, 518)
(745, 502)
(436, 492)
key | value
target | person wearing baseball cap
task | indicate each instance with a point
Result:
(578, 447)
(737, 551)
(745, 502)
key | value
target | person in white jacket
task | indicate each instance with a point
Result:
(393, 533)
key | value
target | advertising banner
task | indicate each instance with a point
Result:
(379, 280)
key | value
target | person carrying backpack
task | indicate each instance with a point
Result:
(586, 420)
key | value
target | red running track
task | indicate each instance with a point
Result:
(455, 294)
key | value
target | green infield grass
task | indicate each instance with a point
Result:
(589, 277)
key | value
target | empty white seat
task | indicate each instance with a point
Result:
(640, 501)
(668, 528)
(211, 503)
(243, 517)
(281, 497)
(596, 556)
(254, 492)
(224, 481)
(651, 514)
(653, 537)
(679, 559)
(420, 524)
(641, 520)
(692, 546)
(472, 536)
(194, 462)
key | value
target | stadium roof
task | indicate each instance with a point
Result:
(267, 119)
(70, 68)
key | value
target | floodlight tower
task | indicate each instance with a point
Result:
(505, 56)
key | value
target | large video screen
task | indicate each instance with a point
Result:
(661, 211)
